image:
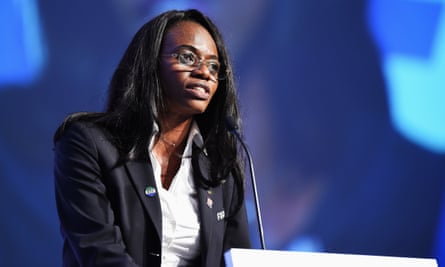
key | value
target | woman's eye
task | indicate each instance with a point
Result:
(213, 67)
(187, 58)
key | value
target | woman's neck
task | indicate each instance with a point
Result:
(174, 131)
(169, 147)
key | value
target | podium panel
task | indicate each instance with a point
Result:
(259, 258)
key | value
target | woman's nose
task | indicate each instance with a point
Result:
(202, 70)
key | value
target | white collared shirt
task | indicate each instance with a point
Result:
(179, 204)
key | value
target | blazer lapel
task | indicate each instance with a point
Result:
(211, 206)
(141, 175)
(212, 222)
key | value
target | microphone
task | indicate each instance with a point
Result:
(232, 126)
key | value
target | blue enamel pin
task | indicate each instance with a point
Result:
(150, 191)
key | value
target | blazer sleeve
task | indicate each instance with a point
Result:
(86, 218)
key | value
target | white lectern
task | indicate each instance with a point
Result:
(260, 258)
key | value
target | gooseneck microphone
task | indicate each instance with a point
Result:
(233, 128)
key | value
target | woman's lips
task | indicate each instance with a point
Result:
(198, 90)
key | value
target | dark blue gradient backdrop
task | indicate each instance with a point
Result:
(342, 100)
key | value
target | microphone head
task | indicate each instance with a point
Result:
(231, 124)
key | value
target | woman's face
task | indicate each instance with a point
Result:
(188, 85)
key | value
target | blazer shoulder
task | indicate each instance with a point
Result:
(87, 136)
(87, 130)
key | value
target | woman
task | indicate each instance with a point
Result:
(156, 179)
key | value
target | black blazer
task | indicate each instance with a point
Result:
(106, 217)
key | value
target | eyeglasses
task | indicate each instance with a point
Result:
(190, 59)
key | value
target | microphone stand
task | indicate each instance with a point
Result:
(233, 129)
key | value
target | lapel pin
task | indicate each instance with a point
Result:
(209, 202)
(150, 191)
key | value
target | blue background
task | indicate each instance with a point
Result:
(342, 100)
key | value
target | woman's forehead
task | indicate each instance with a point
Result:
(192, 34)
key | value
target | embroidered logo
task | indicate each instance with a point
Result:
(220, 215)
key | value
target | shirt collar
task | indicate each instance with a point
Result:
(193, 137)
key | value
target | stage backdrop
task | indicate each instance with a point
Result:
(343, 104)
